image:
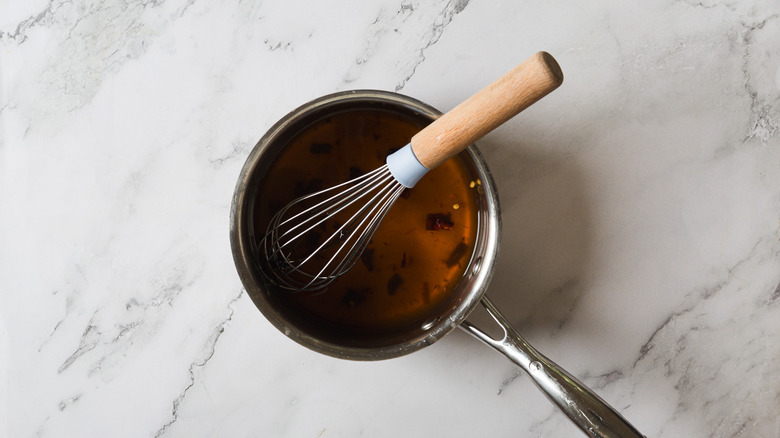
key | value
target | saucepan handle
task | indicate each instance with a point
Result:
(583, 406)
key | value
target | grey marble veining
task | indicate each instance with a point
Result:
(641, 209)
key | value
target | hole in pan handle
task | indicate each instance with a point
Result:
(583, 406)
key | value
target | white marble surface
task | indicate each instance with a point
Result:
(641, 206)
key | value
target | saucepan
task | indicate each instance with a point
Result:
(583, 406)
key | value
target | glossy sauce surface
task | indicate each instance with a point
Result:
(419, 252)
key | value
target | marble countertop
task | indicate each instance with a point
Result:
(641, 215)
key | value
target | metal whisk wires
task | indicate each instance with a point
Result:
(299, 259)
(296, 257)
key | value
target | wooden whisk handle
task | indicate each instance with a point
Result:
(492, 106)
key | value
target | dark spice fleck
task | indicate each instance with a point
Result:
(438, 222)
(457, 254)
(275, 206)
(403, 261)
(355, 297)
(395, 282)
(377, 136)
(368, 259)
(355, 172)
(314, 185)
(320, 148)
(313, 240)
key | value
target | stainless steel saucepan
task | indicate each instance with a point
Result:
(586, 409)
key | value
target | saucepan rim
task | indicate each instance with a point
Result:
(479, 269)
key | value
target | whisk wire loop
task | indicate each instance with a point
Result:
(363, 232)
(284, 234)
(353, 192)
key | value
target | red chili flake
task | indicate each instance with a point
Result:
(438, 222)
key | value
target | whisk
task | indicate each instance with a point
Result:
(297, 259)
